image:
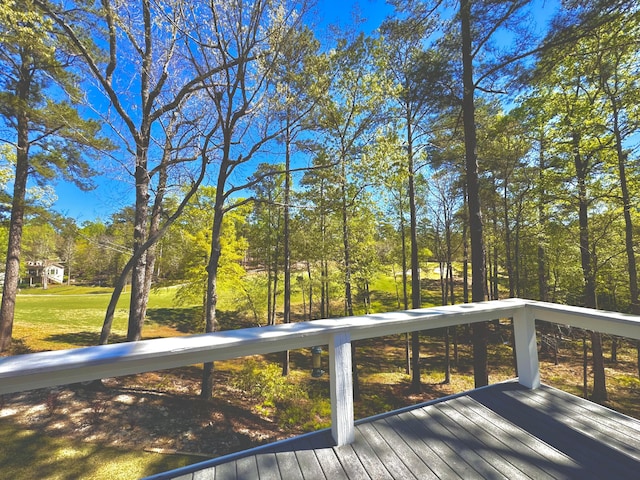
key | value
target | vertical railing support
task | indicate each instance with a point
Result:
(341, 381)
(524, 325)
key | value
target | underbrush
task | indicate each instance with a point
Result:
(282, 397)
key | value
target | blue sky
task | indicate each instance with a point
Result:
(113, 194)
(115, 190)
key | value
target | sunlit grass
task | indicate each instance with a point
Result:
(31, 455)
(66, 290)
(70, 316)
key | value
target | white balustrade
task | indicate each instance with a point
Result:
(47, 369)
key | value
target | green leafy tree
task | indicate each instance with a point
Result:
(96, 254)
(246, 39)
(319, 219)
(67, 234)
(581, 141)
(347, 120)
(421, 78)
(300, 79)
(38, 100)
(266, 230)
(503, 148)
(193, 230)
(616, 62)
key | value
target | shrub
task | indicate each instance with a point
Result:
(265, 382)
(311, 414)
(277, 394)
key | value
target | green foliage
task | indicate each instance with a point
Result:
(265, 382)
(193, 232)
(251, 296)
(309, 414)
(628, 381)
(58, 139)
(291, 404)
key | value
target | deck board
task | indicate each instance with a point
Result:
(454, 436)
(534, 458)
(414, 463)
(373, 465)
(503, 431)
(594, 455)
(427, 451)
(351, 463)
(289, 465)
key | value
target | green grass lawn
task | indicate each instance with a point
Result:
(70, 317)
(32, 456)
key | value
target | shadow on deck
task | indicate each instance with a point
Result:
(501, 431)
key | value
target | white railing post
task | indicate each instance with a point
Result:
(341, 382)
(524, 326)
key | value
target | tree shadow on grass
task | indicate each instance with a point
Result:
(35, 454)
(18, 347)
(183, 319)
(84, 339)
(387, 301)
(190, 319)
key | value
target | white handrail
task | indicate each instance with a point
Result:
(46, 369)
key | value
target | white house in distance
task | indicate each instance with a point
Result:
(43, 272)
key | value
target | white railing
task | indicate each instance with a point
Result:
(46, 369)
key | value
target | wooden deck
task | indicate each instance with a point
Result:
(502, 431)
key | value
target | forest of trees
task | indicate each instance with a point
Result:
(475, 134)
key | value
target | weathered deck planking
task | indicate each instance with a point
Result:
(503, 431)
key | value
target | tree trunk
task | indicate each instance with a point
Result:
(324, 268)
(507, 242)
(286, 247)
(599, 381)
(139, 299)
(348, 297)
(585, 388)
(310, 291)
(403, 239)
(628, 222)
(517, 256)
(212, 278)
(347, 278)
(154, 228)
(270, 319)
(405, 292)
(137, 305)
(493, 271)
(444, 288)
(276, 271)
(447, 357)
(325, 310)
(543, 287)
(416, 301)
(12, 266)
(465, 251)
(449, 246)
(480, 330)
